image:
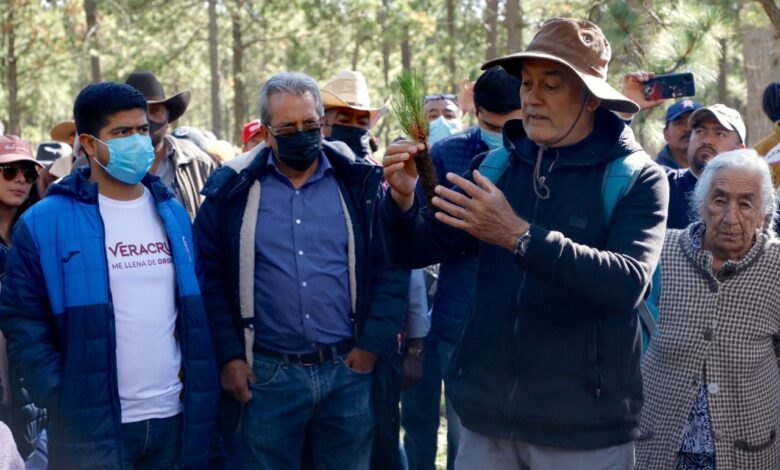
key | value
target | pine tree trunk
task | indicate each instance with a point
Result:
(452, 41)
(382, 20)
(762, 66)
(406, 52)
(356, 51)
(239, 92)
(723, 72)
(90, 9)
(11, 75)
(491, 28)
(773, 12)
(514, 26)
(216, 120)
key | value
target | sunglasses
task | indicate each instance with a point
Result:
(290, 130)
(10, 171)
(445, 96)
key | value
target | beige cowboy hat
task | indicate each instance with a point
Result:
(62, 130)
(582, 47)
(349, 89)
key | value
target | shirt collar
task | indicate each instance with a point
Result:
(323, 167)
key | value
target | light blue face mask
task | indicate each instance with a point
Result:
(129, 157)
(492, 139)
(441, 128)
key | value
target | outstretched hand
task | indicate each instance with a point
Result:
(483, 211)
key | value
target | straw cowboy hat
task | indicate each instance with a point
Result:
(582, 47)
(62, 130)
(147, 83)
(349, 89)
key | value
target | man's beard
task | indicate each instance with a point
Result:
(157, 132)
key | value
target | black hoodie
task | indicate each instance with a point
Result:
(550, 354)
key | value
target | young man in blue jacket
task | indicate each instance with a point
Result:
(301, 301)
(101, 305)
(546, 374)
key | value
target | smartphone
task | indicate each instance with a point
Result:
(673, 85)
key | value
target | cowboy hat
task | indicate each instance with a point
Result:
(147, 83)
(349, 89)
(580, 46)
(63, 130)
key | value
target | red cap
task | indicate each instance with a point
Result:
(251, 129)
(14, 149)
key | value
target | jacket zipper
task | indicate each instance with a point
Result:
(516, 330)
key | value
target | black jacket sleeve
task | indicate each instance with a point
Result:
(213, 275)
(618, 275)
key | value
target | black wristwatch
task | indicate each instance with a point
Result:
(415, 351)
(521, 246)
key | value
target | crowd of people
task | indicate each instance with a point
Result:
(170, 302)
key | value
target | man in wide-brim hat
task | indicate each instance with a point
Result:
(64, 131)
(179, 163)
(349, 116)
(546, 375)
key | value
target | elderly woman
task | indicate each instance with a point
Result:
(711, 380)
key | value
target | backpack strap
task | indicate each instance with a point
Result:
(620, 176)
(494, 164)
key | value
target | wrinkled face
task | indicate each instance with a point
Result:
(346, 117)
(709, 138)
(732, 213)
(678, 134)
(16, 190)
(289, 113)
(554, 101)
(494, 122)
(441, 107)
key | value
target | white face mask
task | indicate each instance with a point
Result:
(441, 128)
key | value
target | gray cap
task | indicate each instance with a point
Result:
(727, 117)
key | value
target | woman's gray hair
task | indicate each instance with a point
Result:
(745, 161)
(288, 82)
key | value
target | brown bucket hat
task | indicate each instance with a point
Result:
(579, 45)
(147, 83)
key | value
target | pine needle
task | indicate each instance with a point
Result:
(409, 105)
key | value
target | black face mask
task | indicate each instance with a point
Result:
(157, 131)
(299, 150)
(357, 139)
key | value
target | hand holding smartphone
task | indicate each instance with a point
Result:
(673, 85)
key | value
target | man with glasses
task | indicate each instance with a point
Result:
(101, 305)
(301, 301)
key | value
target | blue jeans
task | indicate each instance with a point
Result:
(420, 406)
(152, 444)
(332, 400)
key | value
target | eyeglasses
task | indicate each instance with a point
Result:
(10, 171)
(290, 130)
(444, 96)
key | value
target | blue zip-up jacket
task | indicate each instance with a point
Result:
(458, 274)
(379, 294)
(56, 312)
(550, 351)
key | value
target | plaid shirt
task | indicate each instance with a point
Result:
(723, 323)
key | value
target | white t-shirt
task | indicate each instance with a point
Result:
(143, 291)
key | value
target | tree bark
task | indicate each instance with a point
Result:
(514, 26)
(382, 20)
(239, 91)
(491, 29)
(723, 71)
(11, 75)
(406, 52)
(452, 41)
(356, 51)
(773, 12)
(762, 66)
(216, 121)
(90, 9)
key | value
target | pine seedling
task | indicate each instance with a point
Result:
(409, 109)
